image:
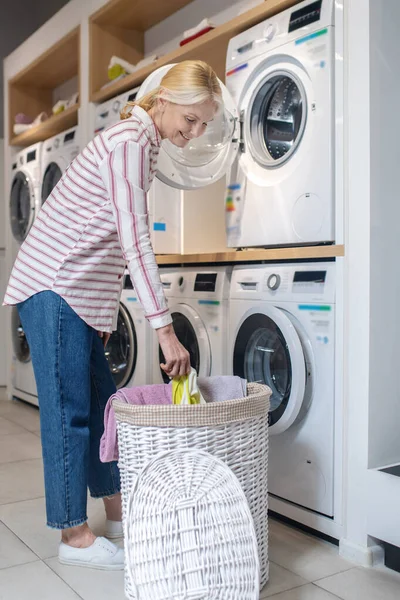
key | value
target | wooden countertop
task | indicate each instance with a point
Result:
(252, 255)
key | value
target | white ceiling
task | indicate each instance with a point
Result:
(18, 20)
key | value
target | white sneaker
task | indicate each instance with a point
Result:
(113, 530)
(102, 554)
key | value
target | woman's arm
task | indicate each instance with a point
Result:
(125, 173)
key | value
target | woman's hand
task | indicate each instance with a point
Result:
(177, 359)
(105, 337)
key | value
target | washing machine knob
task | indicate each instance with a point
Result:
(181, 282)
(274, 282)
(269, 32)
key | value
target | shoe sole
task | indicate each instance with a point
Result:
(89, 565)
(114, 536)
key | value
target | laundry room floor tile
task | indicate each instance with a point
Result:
(280, 580)
(27, 520)
(9, 428)
(305, 592)
(12, 550)
(21, 480)
(22, 446)
(364, 584)
(92, 584)
(21, 413)
(303, 554)
(34, 581)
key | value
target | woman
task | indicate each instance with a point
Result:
(66, 283)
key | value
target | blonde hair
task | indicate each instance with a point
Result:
(188, 82)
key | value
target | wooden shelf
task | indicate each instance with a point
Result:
(47, 129)
(253, 255)
(32, 90)
(210, 47)
(118, 29)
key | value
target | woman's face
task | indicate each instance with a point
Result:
(179, 123)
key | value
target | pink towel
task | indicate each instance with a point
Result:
(141, 395)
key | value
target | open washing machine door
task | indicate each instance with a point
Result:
(22, 205)
(268, 349)
(206, 159)
(121, 350)
(192, 334)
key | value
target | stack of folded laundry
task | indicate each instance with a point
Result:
(207, 389)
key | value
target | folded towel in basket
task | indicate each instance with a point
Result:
(224, 387)
(142, 395)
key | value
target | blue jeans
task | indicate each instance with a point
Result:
(74, 383)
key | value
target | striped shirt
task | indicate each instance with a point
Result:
(92, 224)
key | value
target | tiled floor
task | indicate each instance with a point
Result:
(301, 568)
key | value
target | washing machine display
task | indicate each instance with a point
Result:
(121, 350)
(282, 334)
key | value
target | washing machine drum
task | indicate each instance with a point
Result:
(19, 341)
(22, 206)
(268, 350)
(121, 350)
(277, 119)
(51, 177)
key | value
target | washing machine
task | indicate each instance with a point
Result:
(281, 75)
(281, 333)
(198, 300)
(128, 349)
(108, 113)
(25, 193)
(58, 152)
(24, 207)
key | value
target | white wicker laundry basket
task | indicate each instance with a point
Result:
(189, 532)
(235, 431)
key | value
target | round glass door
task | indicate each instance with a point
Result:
(51, 177)
(20, 343)
(205, 159)
(277, 118)
(268, 350)
(22, 206)
(121, 350)
(187, 336)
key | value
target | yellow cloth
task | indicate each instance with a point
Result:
(185, 389)
(115, 71)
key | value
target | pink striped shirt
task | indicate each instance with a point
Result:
(92, 224)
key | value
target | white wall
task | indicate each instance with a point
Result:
(372, 289)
